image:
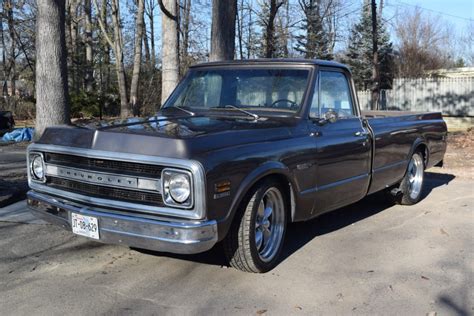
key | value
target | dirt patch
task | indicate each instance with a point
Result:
(459, 158)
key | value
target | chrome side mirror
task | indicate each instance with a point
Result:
(330, 116)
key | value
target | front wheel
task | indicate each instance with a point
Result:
(411, 186)
(255, 239)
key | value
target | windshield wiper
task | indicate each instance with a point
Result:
(255, 116)
(180, 108)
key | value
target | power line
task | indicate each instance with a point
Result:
(435, 11)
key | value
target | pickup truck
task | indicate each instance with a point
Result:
(238, 151)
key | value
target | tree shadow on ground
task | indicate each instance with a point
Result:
(301, 233)
(12, 191)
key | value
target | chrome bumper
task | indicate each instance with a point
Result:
(167, 236)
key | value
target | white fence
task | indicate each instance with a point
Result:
(451, 96)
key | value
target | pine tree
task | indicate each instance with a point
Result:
(359, 53)
(315, 42)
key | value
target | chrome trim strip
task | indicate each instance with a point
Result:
(195, 167)
(104, 179)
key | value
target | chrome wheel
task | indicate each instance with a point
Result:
(415, 176)
(269, 224)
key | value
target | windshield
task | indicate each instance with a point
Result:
(253, 89)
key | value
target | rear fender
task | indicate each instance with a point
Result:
(419, 142)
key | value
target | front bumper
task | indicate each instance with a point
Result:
(159, 235)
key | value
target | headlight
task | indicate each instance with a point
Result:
(180, 187)
(37, 167)
(177, 188)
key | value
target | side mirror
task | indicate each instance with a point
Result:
(330, 116)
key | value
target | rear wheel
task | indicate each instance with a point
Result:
(411, 186)
(255, 239)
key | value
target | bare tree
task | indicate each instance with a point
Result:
(8, 5)
(223, 30)
(150, 12)
(52, 101)
(170, 48)
(137, 60)
(72, 23)
(270, 27)
(4, 60)
(375, 58)
(89, 73)
(117, 46)
(423, 44)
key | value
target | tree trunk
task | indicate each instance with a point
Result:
(185, 28)
(151, 18)
(52, 103)
(4, 60)
(375, 61)
(240, 22)
(223, 30)
(89, 73)
(119, 66)
(73, 47)
(146, 45)
(137, 59)
(170, 48)
(270, 29)
(11, 57)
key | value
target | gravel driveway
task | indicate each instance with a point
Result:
(368, 258)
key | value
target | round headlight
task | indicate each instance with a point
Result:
(179, 187)
(37, 167)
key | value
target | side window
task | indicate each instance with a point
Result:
(335, 94)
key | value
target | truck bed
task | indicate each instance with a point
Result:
(395, 134)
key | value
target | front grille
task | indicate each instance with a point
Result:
(120, 167)
(149, 198)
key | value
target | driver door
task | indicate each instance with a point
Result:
(343, 147)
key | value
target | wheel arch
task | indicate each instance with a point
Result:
(420, 145)
(276, 170)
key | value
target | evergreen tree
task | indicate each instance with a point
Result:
(315, 42)
(359, 53)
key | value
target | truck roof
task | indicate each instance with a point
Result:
(276, 61)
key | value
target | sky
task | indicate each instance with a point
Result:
(459, 13)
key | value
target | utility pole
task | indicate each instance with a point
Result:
(375, 60)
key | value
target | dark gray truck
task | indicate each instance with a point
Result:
(238, 151)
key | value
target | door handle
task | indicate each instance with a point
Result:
(316, 134)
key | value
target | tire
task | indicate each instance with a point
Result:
(255, 239)
(411, 187)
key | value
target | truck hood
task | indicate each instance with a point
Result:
(170, 136)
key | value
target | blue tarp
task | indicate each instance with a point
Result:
(19, 135)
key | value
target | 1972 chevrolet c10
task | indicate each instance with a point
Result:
(238, 151)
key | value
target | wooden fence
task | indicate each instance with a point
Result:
(451, 96)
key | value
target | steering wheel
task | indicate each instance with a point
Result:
(292, 104)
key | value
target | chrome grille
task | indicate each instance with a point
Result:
(149, 198)
(104, 165)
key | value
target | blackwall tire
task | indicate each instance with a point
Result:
(255, 240)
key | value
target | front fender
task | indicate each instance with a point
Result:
(263, 170)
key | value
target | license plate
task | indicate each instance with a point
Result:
(87, 226)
